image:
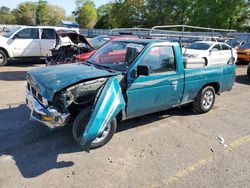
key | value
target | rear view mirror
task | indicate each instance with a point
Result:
(142, 70)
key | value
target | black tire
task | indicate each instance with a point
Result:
(206, 94)
(3, 58)
(206, 62)
(80, 124)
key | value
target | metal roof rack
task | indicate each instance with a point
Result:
(130, 31)
(193, 32)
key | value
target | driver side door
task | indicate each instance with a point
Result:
(26, 43)
(159, 90)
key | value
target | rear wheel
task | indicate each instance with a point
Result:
(3, 58)
(80, 124)
(205, 100)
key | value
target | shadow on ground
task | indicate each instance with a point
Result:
(242, 79)
(6, 73)
(13, 75)
(25, 63)
(35, 148)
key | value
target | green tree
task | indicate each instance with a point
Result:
(41, 11)
(6, 16)
(103, 17)
(53, 15)
(229, 14)
(157, 12)
(128, 13)
(25, 13)
(86, 14)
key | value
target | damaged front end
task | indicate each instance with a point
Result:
(65, 104)
(65, 54)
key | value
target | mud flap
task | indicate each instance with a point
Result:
(109, 102)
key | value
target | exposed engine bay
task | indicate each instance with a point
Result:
(78, 96)
(64, 54)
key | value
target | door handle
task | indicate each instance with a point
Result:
(174, 83)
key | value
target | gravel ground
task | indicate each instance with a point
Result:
(173, 148)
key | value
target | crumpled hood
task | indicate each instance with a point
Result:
(49, 80)
(76, 38)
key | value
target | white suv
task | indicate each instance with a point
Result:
(214, 53)
(28, 41)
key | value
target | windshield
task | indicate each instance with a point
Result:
(13, 30)
(117, 55)
(99, 41)
(199, 46)
(245, 46)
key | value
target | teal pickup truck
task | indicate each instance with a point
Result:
(122, 80)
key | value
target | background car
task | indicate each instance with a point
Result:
(236, 43)
(244, 52)
(29, 42)
(98, 42)
(213, 53)
(80, 49)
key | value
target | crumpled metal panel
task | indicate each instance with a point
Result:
(109, 102)
(49, 80)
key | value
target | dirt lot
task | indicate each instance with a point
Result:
(174, 148)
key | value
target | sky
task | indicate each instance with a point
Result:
(68, 5)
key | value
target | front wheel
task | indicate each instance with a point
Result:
(80, 124)
(3, 58)
(204, 100)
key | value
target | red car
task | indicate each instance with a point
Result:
(98, 42)
(81, 49)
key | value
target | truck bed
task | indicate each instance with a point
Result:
(221, 77)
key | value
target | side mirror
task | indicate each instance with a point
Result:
(142, 70)
(15, 37)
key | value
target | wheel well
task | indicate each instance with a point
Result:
(5, 51)
(215, 85)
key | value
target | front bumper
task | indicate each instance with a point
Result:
(46, 115)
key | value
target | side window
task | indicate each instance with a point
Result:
(225, 47)
(160, 59)
(217, 46)
(48, 34)
(29, 33)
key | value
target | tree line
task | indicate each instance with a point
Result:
(228, 14)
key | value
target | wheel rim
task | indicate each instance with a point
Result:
(102, 136)
(208, 100)
(1, 58)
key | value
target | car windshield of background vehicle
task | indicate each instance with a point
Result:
(99, 41)
(117, 55)
(245, 46)
(13, 30)
(199, 46)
